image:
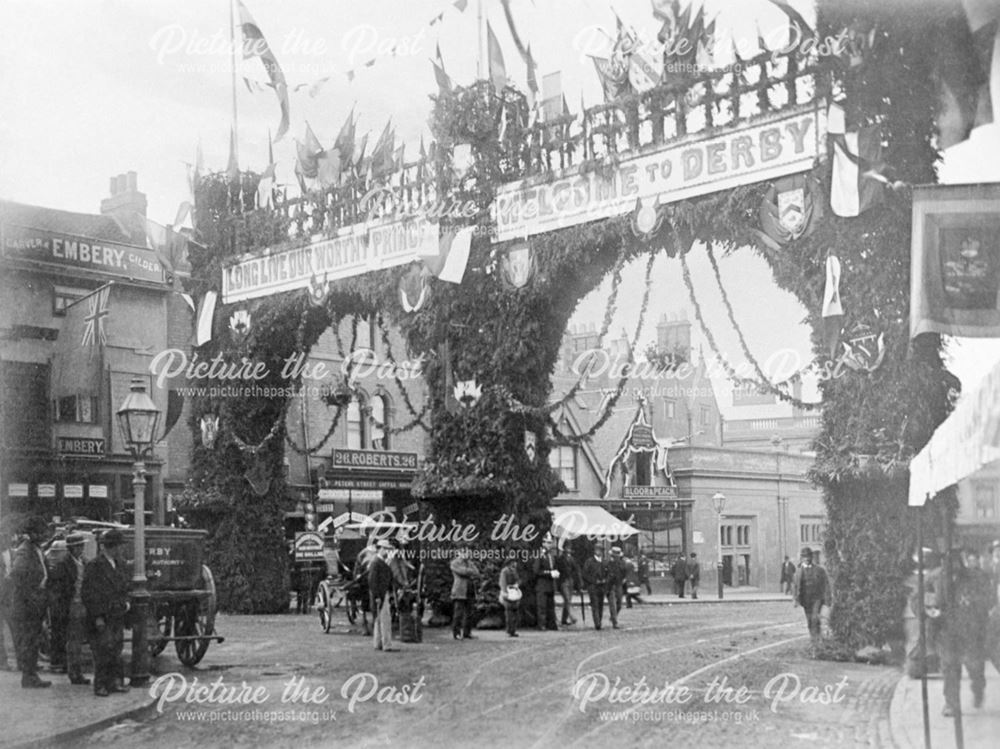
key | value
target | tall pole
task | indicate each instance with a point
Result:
(922, 619)
(140, 588)
(718, 564)
(232, 36)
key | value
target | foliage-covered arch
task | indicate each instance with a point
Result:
(509, 340)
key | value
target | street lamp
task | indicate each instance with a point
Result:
(137, 419)
(719, 501)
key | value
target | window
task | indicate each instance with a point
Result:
(79, 409)
(380, 426)
(726, 535)
(811, 530)
(706, 412)
(643, 469)
(562, 458)
(669, 409)
(355, 425)
(63, 296)
(986, 501)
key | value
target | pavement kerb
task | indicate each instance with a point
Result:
(69, 736)
(899, 727)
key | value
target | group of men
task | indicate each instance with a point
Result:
(686, 572)
(85, 601)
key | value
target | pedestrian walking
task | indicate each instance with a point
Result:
(964, 614)
(29, 599)
(616, 584)
(694, 573)
(6, 565)
(105, 597)
(547, 577)
(510, 593)
(595, 578)
(463, 593)
(66, 607)
(569, 581)
(643, 568)
(787, 576)
(380, 590)
(632, 589)
(679, 572)
(812, 592)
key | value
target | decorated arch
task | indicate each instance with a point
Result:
(751, 156)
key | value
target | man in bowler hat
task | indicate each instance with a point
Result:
(29, 599)
(66, 607)
(105, 597)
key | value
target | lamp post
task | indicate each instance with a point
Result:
(719, 501)
(137, 419)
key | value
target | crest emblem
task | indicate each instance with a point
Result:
(530, 444)
(318, 290)
(518, 266)
(239, 324)
(647, 219)
(468, 393)
(413, 289)
(257, 476)
(209, 430)
(789, 210)
(864, 350)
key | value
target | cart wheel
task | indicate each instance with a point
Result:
(196, 618)
(324, 606)
(352, 608)
(164, 625)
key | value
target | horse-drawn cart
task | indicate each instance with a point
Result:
(182, 591)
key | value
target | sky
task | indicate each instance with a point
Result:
(94, 88)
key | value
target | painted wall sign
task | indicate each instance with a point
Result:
(682, 169)
(81, 446)
(354, 250)
(373, 460)
(98, 255)
(649, 492)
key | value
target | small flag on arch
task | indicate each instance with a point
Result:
(498, 71)
(856, 181)
(206, 314)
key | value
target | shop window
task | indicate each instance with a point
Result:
(77, 409)
(986, 501)
(380, 425)
(355, 424)
(562, 458)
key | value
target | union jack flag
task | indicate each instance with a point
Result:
(94, 331)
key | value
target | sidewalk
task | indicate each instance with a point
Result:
(42, 717)
(980, 726)
(706, 595)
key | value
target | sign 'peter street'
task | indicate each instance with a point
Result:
(686, 168)
(353, 250)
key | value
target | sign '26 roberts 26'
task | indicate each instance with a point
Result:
(688, 167)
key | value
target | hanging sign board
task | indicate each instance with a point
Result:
(308, 546)
(353, 250)
(681, 169)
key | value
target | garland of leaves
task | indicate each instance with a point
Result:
(763, 381)
(418, 417)
(619, 389)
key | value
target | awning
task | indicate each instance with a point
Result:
(965, 442)
(572, 521)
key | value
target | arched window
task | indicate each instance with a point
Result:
(380, 423)
(355, 424)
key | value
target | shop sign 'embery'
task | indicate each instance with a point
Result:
(682, 169)
(352, 251)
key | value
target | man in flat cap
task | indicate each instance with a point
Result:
(105, 598)
(29, 600)
(68, 615)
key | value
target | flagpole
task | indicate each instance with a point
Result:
(479, 36)
(232, 37)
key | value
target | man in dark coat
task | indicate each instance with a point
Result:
(616, 583)
(787, 576)
(29, 600)
(105, 596)
(463, 594)
(569, 580)
(679, 572)
(380, 587)
(811, 589)
(546, 579)
(595, 578)
(694, 573)
(66, 607)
